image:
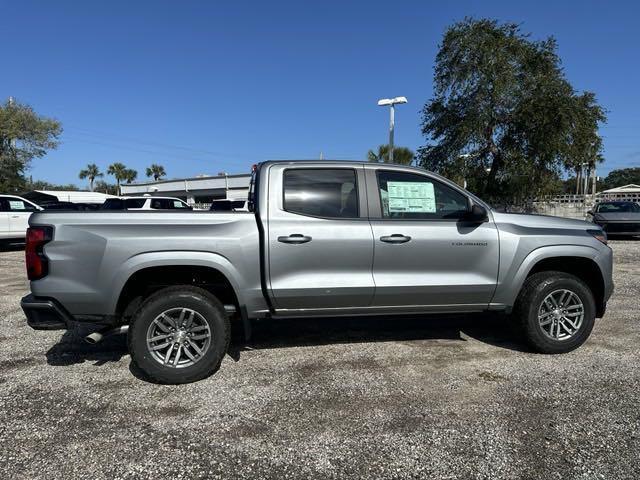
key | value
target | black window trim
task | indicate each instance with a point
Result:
(381, 217)
(310, 167)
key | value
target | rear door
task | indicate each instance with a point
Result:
(19, 213)
(319, 238)
(426, 255)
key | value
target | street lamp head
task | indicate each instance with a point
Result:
(391, 101)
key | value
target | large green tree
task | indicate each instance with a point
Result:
(401, 155)
(621, 177)
(503, 115)
(121, 173)
(24, 135)
(156, 171)
(91, 172)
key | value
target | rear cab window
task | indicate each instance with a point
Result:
(321, 192)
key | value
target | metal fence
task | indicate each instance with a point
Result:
(568, 206)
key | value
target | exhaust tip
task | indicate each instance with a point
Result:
(93, 338)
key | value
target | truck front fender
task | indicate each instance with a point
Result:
(510, 284)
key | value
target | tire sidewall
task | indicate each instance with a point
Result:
(207, 306)
(533, 328)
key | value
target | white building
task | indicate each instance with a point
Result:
(629, 192)
(195, 191)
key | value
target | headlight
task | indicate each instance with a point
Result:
(599, 235)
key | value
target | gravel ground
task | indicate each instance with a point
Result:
(450, 397)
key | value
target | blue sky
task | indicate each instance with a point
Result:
(204, 87)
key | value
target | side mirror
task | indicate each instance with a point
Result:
(476, 213)
(589, 212)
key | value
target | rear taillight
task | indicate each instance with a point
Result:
(37, 262)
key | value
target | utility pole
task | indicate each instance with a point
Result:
(391, 102)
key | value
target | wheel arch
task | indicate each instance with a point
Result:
(576, 260)
(144, 274)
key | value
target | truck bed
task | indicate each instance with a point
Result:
(94, 253)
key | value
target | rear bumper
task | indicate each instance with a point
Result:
(45, 313)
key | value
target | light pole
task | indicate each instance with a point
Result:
(391, 102)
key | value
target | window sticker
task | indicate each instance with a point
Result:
(177, 204)
(418, 197)
(16, 205)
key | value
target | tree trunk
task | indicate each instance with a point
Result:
(491, 178)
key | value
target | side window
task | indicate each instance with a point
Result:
(113, 204)
(18, 205)
(411, 196)
(177, 205)
(134, 202)
(321, 192)
(4, 205)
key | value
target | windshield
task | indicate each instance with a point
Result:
(619, 207)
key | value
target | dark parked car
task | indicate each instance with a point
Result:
(617, 218)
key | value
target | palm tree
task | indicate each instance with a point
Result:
(156, 171)
(401, 155)
(91, 172)
(119, 171)
(130, 175)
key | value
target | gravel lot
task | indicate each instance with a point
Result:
(449, 397)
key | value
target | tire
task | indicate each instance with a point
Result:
(549, 333)
(160, 316)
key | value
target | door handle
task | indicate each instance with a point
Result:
(15, 216)
(395, 238)
(295, 238)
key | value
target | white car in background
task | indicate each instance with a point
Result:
(14, 217)
(146, 202)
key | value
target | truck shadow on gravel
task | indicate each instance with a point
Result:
(72, 349)
(490, 329)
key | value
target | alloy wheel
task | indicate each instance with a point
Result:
(178, 337)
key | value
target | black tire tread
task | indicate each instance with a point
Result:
(521, 312)
(149, 303)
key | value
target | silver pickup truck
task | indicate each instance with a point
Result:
(320, 239)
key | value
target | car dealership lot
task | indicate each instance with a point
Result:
(444, 397)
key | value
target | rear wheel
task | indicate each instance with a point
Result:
(556, 312)
(179, 335)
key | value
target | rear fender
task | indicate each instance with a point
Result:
(174, 258)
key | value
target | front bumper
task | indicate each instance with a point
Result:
(620, 228)
(45, 313)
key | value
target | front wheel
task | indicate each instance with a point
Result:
(556, 312)
(179, 335)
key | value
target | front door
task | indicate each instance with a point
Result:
(425, 254)
(319, 237)
(19, 213)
